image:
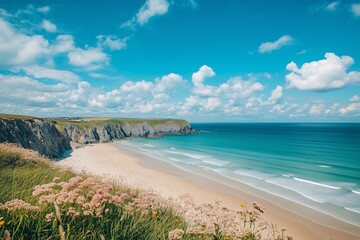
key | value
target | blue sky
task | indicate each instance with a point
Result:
(199, 60)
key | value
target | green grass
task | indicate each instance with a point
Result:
(13, 116)
(88, 123)
(18, 176)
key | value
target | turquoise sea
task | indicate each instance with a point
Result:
(313, 164)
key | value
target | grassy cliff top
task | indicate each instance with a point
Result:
(92, 122)
(98, 121)
(13, 116)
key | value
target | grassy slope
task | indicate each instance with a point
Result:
(21, 170)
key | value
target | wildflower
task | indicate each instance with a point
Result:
(243, 204)
(258, 207)
(176, 234)
(2, 222)
(154, 213)
(49, 217)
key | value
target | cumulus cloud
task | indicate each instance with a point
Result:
(352, 107)
(60, 75)
(322, 75)
(355, 8)
(111, 42)
(268, 47)
(48, 26)
(17, 48)
(63, 43)
(317, 108)
(91, 58)
(276, 95)
(150, 9)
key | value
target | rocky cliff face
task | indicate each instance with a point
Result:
(35, 134)
(109, 132)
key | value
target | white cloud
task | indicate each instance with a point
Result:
(111, 42)
(268, 47)
(323, 75)
(332, 6)
(60, 75)
(317, 108)
(48, 26)
(91, 58)
(237, 88)
(63, 44)
(43, 9)
(168, 83)
(355, 8)
(352, 107)
(204, 72)
(355, 98)
(301, 52)
(150, 9)
(276, 95)
(18, 49)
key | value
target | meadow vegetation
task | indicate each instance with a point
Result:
(40, 201)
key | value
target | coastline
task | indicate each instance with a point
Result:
(136, 170)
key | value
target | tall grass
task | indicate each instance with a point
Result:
(40, 201)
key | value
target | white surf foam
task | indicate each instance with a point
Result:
(353, 210)
(191, 155)
(356, 192)
(248, 174)
(324, 166)
(315, 183)
(215, 162)
(292, 189)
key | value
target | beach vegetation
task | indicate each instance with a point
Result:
(39, 200)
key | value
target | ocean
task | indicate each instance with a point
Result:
(313, 164)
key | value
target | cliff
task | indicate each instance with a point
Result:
(51, 137)
(33, 133)
(92, 131)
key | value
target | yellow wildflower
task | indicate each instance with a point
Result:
(243, 205)
(155, 213)
(2, 222)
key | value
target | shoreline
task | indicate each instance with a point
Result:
(114, 162)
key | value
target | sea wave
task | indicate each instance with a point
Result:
(191, 155)
(353, 210)
(215, 162)
(292, 189)
(356, 192)
(315, 183)
(240, 172)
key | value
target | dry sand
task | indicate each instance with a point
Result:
(110, 161)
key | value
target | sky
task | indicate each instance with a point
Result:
(201, 60)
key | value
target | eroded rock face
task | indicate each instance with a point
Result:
(109, 132)
(35, 134)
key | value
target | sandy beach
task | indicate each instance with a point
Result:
(112, 162)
